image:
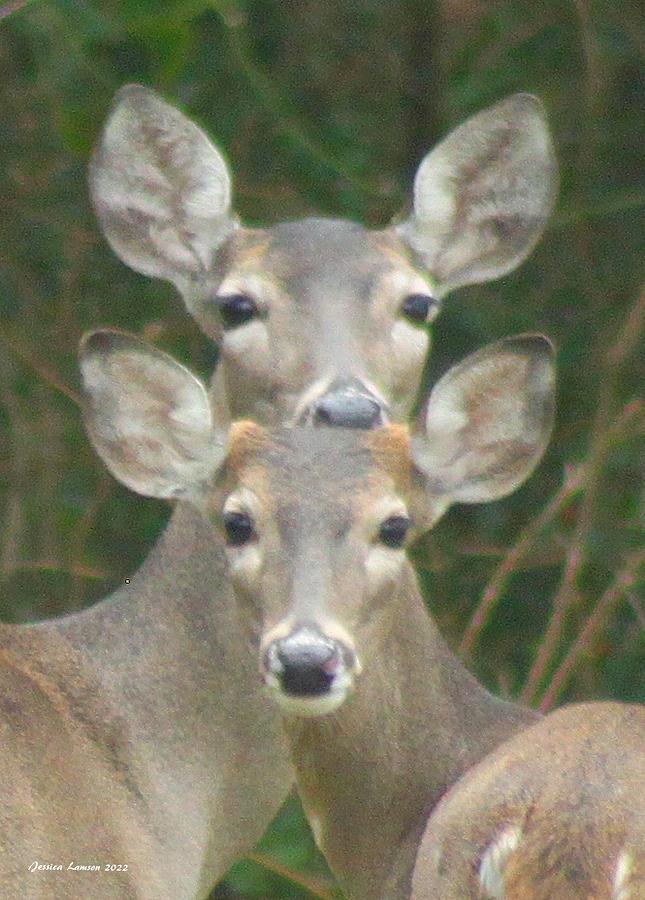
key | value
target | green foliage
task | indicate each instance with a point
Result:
(329, 107)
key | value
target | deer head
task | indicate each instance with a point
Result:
(320, 320)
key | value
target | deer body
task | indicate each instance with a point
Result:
(400, 755)
(557, 811)
(145, 716)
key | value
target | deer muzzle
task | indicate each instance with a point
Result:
(308, 672)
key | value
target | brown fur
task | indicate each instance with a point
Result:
(573, 784)
(245, 439)
(390, 448)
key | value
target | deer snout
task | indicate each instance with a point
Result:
(348, 403)
(309, 672)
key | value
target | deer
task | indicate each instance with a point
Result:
(390, 735)
(162, 193)
(320, 319)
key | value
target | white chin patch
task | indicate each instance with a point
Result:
(313, 706)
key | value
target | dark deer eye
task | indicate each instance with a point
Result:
(393, 531)
(238, 527)
(236, 309)
(420, 307)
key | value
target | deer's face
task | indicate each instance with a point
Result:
(316, 525)
(318, 322)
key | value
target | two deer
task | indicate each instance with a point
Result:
(286, 551)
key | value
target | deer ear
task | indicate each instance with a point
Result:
(483, 196)
(488, 421)
(147, 416)
(161, 189)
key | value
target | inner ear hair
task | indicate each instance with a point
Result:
(147, 416)
(488, 420)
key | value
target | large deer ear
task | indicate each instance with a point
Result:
(488, 421)
(483, 195)
(147, 416)
(160, 188)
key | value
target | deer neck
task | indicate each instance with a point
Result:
(167, 666)
(369, 774)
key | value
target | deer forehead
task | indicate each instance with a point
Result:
(320, 257)
(332, 474)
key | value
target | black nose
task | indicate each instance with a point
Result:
(306, 662)
(348, 404)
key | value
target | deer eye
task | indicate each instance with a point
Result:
(420, 307)
(236, 309)
(239, 528)
(393, 531)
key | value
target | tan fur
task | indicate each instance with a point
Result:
(573, 784)
(390, 448)
(40, 682)
(245, 439)
(58, 765)
(248, 248)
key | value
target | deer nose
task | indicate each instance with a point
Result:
(306, 663)
(348, 404)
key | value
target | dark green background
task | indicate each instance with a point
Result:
(329, 107)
